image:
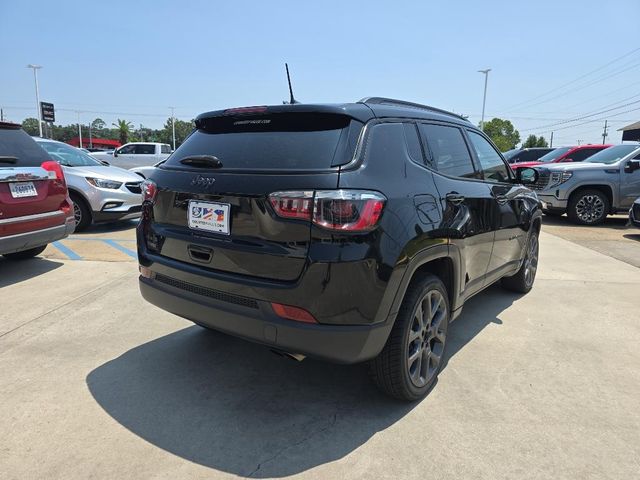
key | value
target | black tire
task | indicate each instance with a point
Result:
(81, 212)
(588, 207)
(522, 281)
(553, 213)
(392, 370)
(25, 254)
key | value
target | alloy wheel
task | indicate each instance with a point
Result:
(590, 208)
(77, 213)
(426, 338)
(531, 261)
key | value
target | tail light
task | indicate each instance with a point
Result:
(293, 313)
(341, 210)
(292, 204)
(55, 171)
(149, 191)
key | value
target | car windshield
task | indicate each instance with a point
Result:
(612, 154)
(511, 153)
(69, 156)
(554, 154)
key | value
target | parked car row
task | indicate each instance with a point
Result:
(136, 154)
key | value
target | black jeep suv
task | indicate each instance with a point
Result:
(348, 233)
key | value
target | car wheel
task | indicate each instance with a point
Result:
(588, 207)
(410, 361)
(81, 212)
(23, 255)
(522, 281)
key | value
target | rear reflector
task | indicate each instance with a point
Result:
(293, 313)
(145, 272)
(341, 210)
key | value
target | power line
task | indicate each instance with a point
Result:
(590, 121)
(582, 117)
(578, 78)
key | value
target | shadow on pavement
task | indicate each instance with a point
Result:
(109, 227)
(233, 406)
(632, 236)
(618, 223)
(16, 271)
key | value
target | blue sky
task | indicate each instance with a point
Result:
(133, 60)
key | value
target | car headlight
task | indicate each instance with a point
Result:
(558, 178)
(103, 183)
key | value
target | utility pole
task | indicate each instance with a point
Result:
(79, 129)
(173, 127)
(484, 97)
(551, 142)
(35, 77)
(90, 136)
(604, 133)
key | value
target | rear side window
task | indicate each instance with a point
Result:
(16, 143)
(165, 149)
(145, 149)
(448, 151)
(583, 154)
(279, 141)
(493, 168)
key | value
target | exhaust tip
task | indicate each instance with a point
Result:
(298, 357)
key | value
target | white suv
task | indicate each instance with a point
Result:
(100, 192)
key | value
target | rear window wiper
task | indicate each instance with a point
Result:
(8, 159)
(202, 161)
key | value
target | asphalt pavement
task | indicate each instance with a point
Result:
(96, 383)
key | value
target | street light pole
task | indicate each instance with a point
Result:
(484, 97)
(79, 129)
(35, 77)
(173, 127)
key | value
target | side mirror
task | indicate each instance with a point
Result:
(631, 166)
(526, 176)
(567, 159)
(115, 153)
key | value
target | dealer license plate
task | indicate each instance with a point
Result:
(209, 216)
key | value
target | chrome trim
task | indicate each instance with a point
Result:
(23, 174)
(30, 218)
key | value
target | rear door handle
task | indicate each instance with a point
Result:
(454, 198)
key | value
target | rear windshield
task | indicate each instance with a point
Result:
(16, 143)
(511, 153)
(283, 141)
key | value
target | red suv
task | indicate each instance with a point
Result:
(564, 154)
(35, 208)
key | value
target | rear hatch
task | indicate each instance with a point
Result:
(30, 183)
(213, 206)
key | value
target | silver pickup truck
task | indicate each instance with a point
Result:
(605, 183)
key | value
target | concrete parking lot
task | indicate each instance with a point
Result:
(96, 383)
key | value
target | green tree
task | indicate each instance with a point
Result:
(30, 125)
(183, 129)
(98, 125)
(124, 129)
(502, 132)
(533, 141)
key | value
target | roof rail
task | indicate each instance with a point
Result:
(403, 103)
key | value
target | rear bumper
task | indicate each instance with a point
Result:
(255, 320)
(36, 238)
